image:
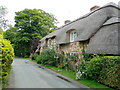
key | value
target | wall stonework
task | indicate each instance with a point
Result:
(73, 47)
(66, 48)
(53, 43)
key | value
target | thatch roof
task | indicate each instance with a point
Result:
(89, 24)
(52, 34)
(106, 40)
(112, 21)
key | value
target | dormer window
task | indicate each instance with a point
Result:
(73, 35)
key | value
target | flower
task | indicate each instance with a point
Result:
(82, 56)
(79, 53)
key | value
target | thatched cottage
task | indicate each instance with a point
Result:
(96, 32)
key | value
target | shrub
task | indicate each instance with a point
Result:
(40, 59)
(94, 67)
(110, 73)
(47, 57)
(103, 69)
(7, 58)
(34, 56)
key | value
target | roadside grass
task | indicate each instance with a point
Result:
(90, 83)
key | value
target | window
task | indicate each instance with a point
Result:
(49, 42)
(73, 35)
(72, 53)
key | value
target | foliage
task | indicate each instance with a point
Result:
(36, 22)
(64, 61)
(110, 73)
(3, 21)
(7, 58)
(29, 24)
(71, 74)
(73, 57)
(94, 67)
(40, 59)
(34, 56)
(11, 34)
(87, 57)
(47, 57)
(103, 69)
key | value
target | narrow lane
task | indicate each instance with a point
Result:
(26, 74)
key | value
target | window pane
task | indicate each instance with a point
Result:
(73, 35)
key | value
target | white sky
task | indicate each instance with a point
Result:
(62, 9)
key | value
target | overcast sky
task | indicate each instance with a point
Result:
(62, 9)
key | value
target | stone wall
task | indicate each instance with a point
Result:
(66, 48)
(73, 47)
(53, 43)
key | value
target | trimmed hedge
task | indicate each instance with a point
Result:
(104, 69)
(7, 58)
(110, 73)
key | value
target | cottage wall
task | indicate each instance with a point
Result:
(52, 44)
(73, 47)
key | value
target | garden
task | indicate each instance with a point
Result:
(99, 70)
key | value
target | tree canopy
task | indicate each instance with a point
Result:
(3, 21)
(35, 22)
(29, 25)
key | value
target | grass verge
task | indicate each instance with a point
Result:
(72, 75)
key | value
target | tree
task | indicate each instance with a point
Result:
(11, 34)
(6, 51)
(3, 22)
(29, 24)
(36, 22)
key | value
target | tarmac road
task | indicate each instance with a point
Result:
(26, 74)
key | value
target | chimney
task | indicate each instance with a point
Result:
(67, 21)
(94, 8)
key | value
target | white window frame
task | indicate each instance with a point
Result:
(73, 35)
(49, 42)
(72, 53)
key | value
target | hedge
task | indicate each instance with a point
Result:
(104, 69)
(7, 55)
(110, 73)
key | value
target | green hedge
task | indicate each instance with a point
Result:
(103, 69)
(110, 73)
(7, 58)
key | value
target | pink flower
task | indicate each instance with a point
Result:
(79, 53)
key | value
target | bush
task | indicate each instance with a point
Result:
(40, 59)
(110, 73)
(47, 57)
(103, 69)
(34, 56)
(7, 58)
(94, 67)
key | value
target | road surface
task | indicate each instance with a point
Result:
(26, 74)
